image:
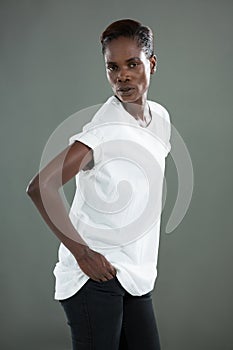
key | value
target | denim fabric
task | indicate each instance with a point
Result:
(104, 316)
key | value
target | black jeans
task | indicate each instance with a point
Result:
(104, 316)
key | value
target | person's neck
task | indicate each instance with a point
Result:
(135, 109)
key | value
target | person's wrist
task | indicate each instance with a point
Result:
(80, 251)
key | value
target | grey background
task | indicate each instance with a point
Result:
(51, 67)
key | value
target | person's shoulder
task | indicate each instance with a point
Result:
(104, 111)
(159, 109)
(110, 111)
(95, 116)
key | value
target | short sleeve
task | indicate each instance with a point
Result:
(91, 136)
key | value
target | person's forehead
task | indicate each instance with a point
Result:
(123, 49)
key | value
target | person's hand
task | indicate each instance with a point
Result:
(96, 266)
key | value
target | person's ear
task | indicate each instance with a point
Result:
(153, 64)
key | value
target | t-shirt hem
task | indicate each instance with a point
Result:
(65, 295)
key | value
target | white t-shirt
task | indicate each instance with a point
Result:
(117, 204)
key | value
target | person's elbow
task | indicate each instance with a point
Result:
(33, 187)
(39, 184)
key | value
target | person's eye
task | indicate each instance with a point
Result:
(112, 68)
(133, 64)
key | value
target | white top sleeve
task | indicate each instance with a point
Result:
(91, 136)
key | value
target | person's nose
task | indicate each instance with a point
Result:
(123, 75)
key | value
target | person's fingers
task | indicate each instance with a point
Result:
(114, 271)
(97, 267)
(107, 277)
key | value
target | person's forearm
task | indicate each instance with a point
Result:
(51, 207)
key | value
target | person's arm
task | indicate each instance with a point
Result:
(43, 189)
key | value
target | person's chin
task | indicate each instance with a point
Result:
(126, 98)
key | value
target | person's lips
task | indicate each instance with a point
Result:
(125, 89)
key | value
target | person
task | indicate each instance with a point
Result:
(109, 246)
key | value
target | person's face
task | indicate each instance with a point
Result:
(128, 70)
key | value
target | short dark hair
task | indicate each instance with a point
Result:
(131, 29)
